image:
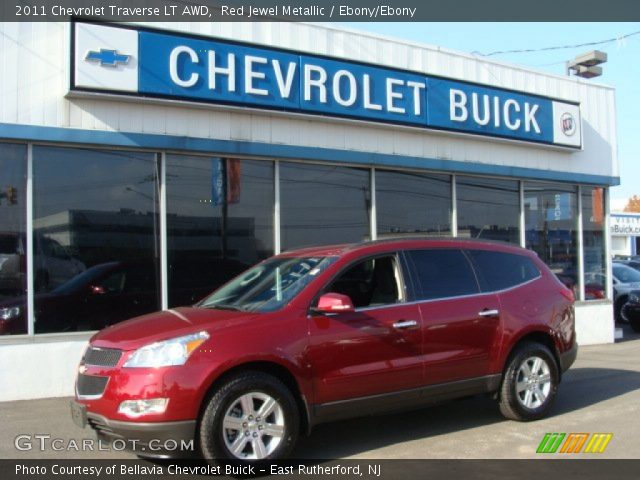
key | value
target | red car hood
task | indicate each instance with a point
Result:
(158, 326)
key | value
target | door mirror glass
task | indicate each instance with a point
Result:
(334, 303)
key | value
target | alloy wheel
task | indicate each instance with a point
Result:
(253, 426)
(533, 382)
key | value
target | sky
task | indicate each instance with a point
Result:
(621, 71)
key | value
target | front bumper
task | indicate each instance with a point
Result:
(567, 358)
(149, 439)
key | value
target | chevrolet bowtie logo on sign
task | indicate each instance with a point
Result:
(574, 443)
(167, 65)
(106, 57)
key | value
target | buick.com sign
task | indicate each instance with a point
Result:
(628, 225)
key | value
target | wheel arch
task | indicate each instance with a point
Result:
(268, 367)
(541, 336)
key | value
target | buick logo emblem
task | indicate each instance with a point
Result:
(568, 124)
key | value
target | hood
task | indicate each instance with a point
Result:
(158, 326)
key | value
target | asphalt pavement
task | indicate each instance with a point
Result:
(599, 394)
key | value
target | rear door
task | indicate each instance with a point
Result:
(460, 324)
(377, 348)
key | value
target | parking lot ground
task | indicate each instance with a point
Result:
(600, 394)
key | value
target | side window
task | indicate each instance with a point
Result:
(372, 282)
(503, 270)
(442, 273)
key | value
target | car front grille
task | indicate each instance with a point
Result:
(101, 357)
(90, 385)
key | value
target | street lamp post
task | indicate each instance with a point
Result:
(587, 64)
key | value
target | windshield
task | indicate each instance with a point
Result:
(268, 286)
(626, 274)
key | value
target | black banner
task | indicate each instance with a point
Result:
(320, 10)
(566, 469)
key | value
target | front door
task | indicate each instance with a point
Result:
(377, 348)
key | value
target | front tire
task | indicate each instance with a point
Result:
(251, 417)
(529, 384)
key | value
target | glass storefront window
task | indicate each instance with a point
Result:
(413, 203)
(323, 204)
(219, 221)
(96, 258)
(593, 214)
(551, 228)
(488, 208)
(13, 247)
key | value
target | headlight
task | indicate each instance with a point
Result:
(9, 312)
(170, 352)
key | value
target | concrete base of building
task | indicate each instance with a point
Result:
(595, 323)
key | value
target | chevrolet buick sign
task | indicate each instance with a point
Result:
(157, 64)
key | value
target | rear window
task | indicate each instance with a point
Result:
(500, 270)
(442, 273)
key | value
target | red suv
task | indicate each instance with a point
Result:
(326, 333)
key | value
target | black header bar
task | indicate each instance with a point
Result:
(321, 10)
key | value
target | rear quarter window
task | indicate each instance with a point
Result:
(500, 270)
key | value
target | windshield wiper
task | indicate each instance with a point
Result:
(223, 306)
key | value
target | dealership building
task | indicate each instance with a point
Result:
(143, 165)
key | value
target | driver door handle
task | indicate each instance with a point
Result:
(489, 313)
(402, 324)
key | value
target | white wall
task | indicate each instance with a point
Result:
(38, 370)
(34, 82)
(594, 323)
(621, 245)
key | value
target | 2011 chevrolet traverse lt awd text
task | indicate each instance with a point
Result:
(326, 333)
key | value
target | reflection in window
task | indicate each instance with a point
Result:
(488, 208)
(413, 203)
(323, 204)
(13, 261)
(219, 221)
(551, 228)
(95, 220)
(593, 242)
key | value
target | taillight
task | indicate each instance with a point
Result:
(568, 294)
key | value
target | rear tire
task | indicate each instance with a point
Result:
(635, 324)
(252, 417)
(529, 384)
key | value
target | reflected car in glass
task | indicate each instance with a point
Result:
(53, 264)
(327, 333)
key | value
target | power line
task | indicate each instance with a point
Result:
(559, 47)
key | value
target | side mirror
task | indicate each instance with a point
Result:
(334, 303)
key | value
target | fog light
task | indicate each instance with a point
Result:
(136, 408)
